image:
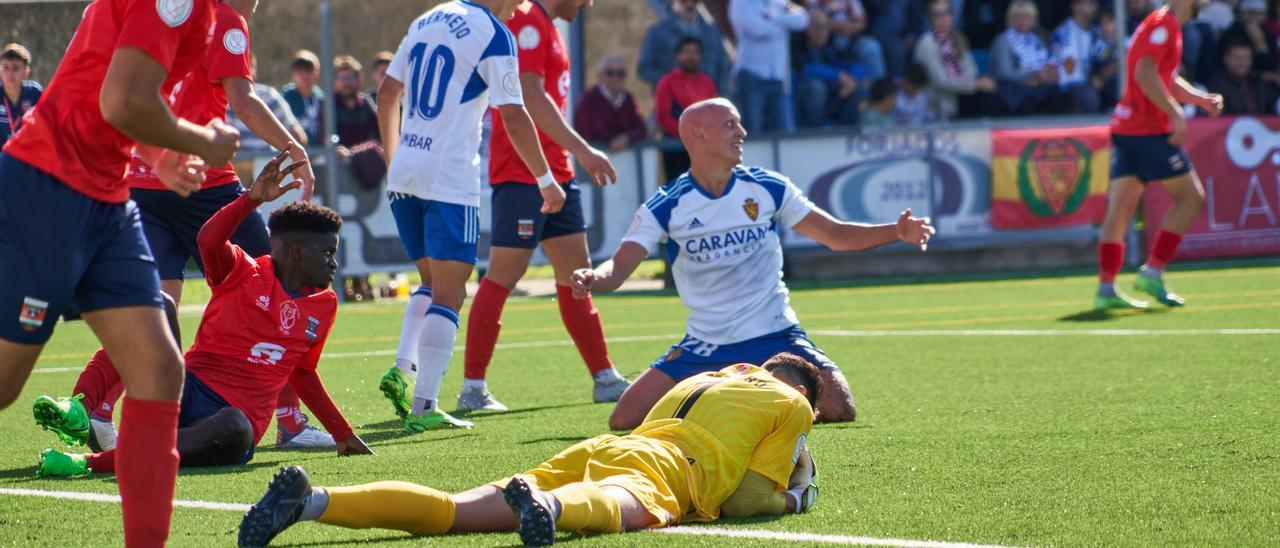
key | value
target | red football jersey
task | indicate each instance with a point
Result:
(66, 136)
(541, 50)
(200, 97)
(254, 333)
(1160, 38)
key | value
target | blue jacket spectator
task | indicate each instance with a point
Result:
(897, 25)
(828, 83)
(657, 55)
(305, 98)
(1073, 46)
(19, 94)
(762, 29)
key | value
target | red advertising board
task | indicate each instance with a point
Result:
(1238, 160)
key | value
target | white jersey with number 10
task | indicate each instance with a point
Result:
(456, 60)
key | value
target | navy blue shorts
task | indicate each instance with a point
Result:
(439, 230)
(1147, 157)
(172, 222)
(60, 248)
(200, 402)
(518, 220)
(691, 356)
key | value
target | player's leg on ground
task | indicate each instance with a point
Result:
(435, 345)
(1188, 198)
(1122, 200)
(506, 266)
(639, 399)
(569, 253)
(144, 353)
(16, 362)
(836, 404)
(221, 439)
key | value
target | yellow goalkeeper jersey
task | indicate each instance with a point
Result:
(727, 422)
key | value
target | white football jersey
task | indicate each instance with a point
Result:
(725, 252)
(456, 60)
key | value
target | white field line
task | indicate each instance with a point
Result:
(840, 333)
(698, 531)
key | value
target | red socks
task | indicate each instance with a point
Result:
(147, 470)
(1163, 250)
(1110, 259)
(582, 319)
(100, 384)
(288, 412)
(102, 463)
(483, 324)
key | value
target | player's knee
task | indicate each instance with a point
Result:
(9, 394)
(233, 429)
(623, 418)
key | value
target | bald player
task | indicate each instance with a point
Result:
(717, 226)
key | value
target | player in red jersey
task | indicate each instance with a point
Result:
(264, 328)
(517, 225)
(1147, 132)
(171, 222)
(69, 236)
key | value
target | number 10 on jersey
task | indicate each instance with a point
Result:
(429, 80)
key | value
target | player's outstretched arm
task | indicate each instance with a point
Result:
(524, 137)
(255, 114)
(755, 496)
(846, 236)
(548, 118)
(1184, 92)
(611, 273)
(131, 102)
(305, 380)
(389, 92)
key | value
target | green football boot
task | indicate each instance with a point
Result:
(433, 420)
(393, 386)
(56, 464)
(1154, 286)
(66, 417)
(1118, 301)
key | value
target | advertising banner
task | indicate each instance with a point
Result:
(1238, 160)
(1049, 177)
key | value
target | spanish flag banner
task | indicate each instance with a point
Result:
(1049, 177)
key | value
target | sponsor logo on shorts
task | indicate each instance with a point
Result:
(312, 326)
(32, 314)
(1176, 163)
(524, 228)
(265, 353)
(288, 316)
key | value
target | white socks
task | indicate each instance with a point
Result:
(414, 315)
(474, 384)
(609, 375)
(435, 348)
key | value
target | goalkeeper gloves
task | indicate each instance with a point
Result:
(803, 484)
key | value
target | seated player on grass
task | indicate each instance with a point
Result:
(720, 443)
(718, 225)
(264, 327)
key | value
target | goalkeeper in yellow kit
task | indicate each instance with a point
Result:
(730, 443)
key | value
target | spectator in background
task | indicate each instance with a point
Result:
(1104, 61)
(607, 113)
(356, 125)
(983, 22)
(20, 94)
(1135, 11)
(763, 85)
(378, 71)
(1073, 46)
(944, 53)
(683, 86)
(276, 103)
(1243, 91)
(848, 22)
(1250, 28)
(913, 105)
(827, 86)
(305, 98)
(897, 24)
(877, 110)
(1273, 22)
(1218, 14)
(1026, 77)
(662, 39)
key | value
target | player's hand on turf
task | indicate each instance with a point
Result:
(352, 445)
(1177, 129)
(914, 230)
(552, 199)
(581, 282)
(226, 140)
(598, 166)
(304, 173)
(1212, 104)
(181, 173)
(267, 186)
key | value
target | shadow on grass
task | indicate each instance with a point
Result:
(516, 412)
(1107, 315)
(560, 439)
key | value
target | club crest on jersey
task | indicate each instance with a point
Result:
(674, 354)
(235, 41)
(752, 208)
(524, 228)
(174, 12)
(32, 314)
(264, 302)
(312, 326)
(288, 316)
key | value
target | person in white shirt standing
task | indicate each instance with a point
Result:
(718, 226)
(1073, 46)
(763, 83)
(456, 60)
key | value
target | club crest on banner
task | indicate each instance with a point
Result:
(1053, 176)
